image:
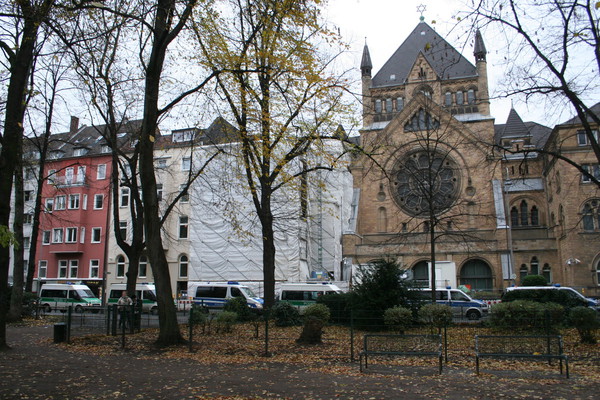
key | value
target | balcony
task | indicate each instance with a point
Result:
(68, 181)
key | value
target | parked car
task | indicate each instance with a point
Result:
(463, 306)
(563, 295)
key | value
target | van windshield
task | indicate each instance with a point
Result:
(248, 292)
(85, 293)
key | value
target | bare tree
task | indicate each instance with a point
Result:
(552, 55)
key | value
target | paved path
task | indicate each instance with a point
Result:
(36, 368)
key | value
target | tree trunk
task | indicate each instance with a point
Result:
(16, 299)
(14, 112)
(266, 219)
(169, 329)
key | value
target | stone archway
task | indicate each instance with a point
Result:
(477, 274)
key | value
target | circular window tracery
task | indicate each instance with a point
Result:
(424, 181)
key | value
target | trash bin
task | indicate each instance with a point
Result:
(60, 332)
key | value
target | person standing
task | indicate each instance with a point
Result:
(124, 306)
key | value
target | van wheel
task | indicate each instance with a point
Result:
(154, 311)
(47, 308)
(473, 315)
(78, 309)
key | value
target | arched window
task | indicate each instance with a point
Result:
(120, 266)
(459, 98)
(421, 274)
(477, 274)
(378, 106)
(448, 99)
(598, 273)
(183, 266)
(143, 267)
(471, 96)
(382, 220)
(399, 104)
(590, 216)
(514, 216)
(388, 105)
(523, 272)
(523, 212)
(547, 273)
(535, 266)
(535, 219)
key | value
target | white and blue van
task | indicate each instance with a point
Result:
(216, 294)
(463, 306)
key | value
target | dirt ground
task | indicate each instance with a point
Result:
(37, 368)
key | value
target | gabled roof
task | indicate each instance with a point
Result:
(516, 128)
(575, 120)
(445, 60)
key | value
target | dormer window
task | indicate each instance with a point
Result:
(105, 148)
(80, 151)
(55, 154)
(184, 135)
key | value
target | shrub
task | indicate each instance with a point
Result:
(239, 306)
(534, 280)
(315, 318)
(285, 314)
(198, 315)
(378, 287)
(225, 321)
(340, 306)
(436, 315)
(562, 297)
(585, 320)
(527, 315)
(398, 318)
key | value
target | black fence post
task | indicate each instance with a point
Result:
(267, 354)
(108, 319)
(191, 330)
(351, 335)
(115, 317)
(69, 314)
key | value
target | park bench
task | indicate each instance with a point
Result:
(543, 347)
(401, 345)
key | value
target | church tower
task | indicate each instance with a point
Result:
(365, 68)
(427, 128)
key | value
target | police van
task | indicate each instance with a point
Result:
(144, 292)
(59, 296)
(216, 294)
(463, 306)
(301, 295)
(563, 295)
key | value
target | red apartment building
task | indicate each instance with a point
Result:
(73, 236)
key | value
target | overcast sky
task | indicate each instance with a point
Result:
(386, 23)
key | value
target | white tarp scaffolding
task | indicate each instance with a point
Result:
(225, 232)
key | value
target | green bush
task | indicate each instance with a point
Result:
(585, 320)
(525, 315)
(378, 287)
(198, 315)
(563, 297)
(225, 321)
(315, 317)
(534, 280)
(285, 314)
(340, 305)
(239, 306)
(398, 318)
(317, 311)
(436, 315)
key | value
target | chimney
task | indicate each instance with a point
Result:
(74, 125)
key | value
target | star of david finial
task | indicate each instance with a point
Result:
(421, 8)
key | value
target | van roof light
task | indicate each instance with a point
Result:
(557, 285)
(232, 283)
(448, 287)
